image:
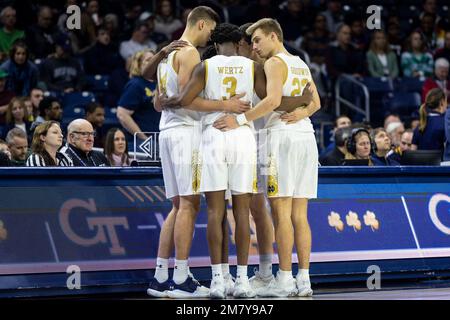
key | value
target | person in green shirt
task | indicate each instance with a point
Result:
(8, 34)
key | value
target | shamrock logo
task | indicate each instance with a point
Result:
(334, 220)
(3, 231)
(370, 219)
(353, 221)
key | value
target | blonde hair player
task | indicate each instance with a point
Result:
(292, 166)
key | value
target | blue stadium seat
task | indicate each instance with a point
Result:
(77, 99)
(378, 85)
(111, 117)
(409, 84)
(97, 83)
(403, 103)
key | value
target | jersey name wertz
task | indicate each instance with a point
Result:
(230, 70)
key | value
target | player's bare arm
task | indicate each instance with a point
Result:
(288, 104)
(275, 71)
(303, 112)
(150, 69)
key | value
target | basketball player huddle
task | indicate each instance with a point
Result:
(236, 126)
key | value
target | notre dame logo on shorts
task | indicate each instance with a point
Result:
(272, 181)
(196, 171)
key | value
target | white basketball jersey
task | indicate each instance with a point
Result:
(226, 77)
(298, 76)
(168, 84)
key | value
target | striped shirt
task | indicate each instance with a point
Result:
(36, 160)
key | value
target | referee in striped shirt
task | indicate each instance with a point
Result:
(47, 139)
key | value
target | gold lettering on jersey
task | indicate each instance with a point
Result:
(300, 71)
(230, 70)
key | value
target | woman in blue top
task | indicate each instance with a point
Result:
(22, 73)
(135, 107)
(430, 135)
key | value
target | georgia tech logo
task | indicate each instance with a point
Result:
(432, 209)
(103, 226)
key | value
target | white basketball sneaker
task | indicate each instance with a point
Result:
(242, 288)
(229, 284)
(217, 289)
(258, 282)
(278, 288)
(304, 287)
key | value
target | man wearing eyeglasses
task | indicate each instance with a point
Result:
(80, 141)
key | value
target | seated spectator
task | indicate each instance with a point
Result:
(29, 107)
(391, 118)
(316, 41)
(80, 141)
(109, 58)
(92, 10)
(447, 135)
(445, 51)
(36, 96)
(381, 61)
(22, 73)
(18, 146)
(166, 22)
(428, 29)
(395, 131)
(139, 41)
(47, 139)
(111, 24)
(406, 141)
(395, 35)
(5, 96)
(431, 132)
(294, 20)
(343, 57)
(84, 38)
(62, 72)
(135, 107)
(49, 110)
(359, 36)
(359, 145)
(416, 61)
(383, 154)
(5, 155)
(8, 34)
(334, 15)
(342, 121)
(439, 80)
(337, 155)
(41, 37)
(133, 9)
(95, 114)
(116, 148)
(17, 116)
(157, 37)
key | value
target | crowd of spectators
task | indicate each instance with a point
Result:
(40, 56)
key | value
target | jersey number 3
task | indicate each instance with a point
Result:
(230, 83)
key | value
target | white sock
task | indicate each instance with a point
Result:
(162, 270)
(225, 268)
(216, 271)
(241, 272)
(284, 275)
(265, 265)
(180, 271)
(303, 274)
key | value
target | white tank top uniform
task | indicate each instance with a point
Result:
(179, 138)
(290, 160)
(228, 159)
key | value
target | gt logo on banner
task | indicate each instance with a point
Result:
(100, 223)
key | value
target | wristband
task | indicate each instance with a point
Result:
(241, 119)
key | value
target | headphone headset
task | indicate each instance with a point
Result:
(351, 141)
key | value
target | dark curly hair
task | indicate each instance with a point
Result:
(226, 32)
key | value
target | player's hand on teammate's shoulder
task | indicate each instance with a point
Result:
(308, 93)
(236, 105)
(294, 116)
(226, 122)
(174, 45)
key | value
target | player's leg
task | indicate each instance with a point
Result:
(215, 236)
(227, 277)
(265, 238)
(303, 239)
